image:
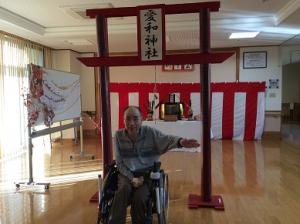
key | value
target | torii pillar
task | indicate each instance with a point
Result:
(206, 199)
(204, 58)
(105, 116)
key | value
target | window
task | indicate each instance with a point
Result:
(16, 54)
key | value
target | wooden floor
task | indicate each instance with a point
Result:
(258, 180)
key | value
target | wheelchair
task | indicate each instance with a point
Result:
(158, 201)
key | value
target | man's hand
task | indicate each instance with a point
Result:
(189, 143)
(137, 181)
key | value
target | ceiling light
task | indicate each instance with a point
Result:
(78, 11)
(79, 42)
(243, 35)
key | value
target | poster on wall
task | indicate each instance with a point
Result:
(255, 59)
(53, 96)
(273, 83)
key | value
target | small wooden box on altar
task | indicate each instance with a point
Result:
(171, 111)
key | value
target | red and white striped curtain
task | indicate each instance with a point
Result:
(237, 109)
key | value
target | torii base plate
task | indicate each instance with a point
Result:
(197, 201)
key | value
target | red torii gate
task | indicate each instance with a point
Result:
(204, 57)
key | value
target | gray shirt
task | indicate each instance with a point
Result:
(134, 156)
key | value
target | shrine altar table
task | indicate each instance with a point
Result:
(185, 129)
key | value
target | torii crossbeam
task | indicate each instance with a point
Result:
(152, 51)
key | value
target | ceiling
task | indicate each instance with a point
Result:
(62, 24)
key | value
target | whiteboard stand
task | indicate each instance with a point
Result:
(30, 181)
(81, 154)
(55, 139)
(46, 131)
(75, 135)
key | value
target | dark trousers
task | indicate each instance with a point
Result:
(125, 195)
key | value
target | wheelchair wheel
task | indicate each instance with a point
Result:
(149, 212)
(103, 213)
(163, 197)
(107, 194)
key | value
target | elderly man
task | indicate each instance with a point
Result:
(137, 147)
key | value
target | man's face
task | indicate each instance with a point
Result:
(132, 121)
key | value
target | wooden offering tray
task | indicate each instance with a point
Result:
(170, 117)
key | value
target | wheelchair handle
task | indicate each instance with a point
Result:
(156, 166)
(155, 175)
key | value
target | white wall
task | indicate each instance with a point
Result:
(224, 72)
(151, 74)
(87, 83)
(75, 65)
(272, 122)
(61, 60)
(272, 71)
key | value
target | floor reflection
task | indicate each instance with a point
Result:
(51, 163)
(291, 132)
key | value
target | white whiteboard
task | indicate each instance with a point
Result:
(53, 96)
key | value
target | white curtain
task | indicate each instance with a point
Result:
(15, 54)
